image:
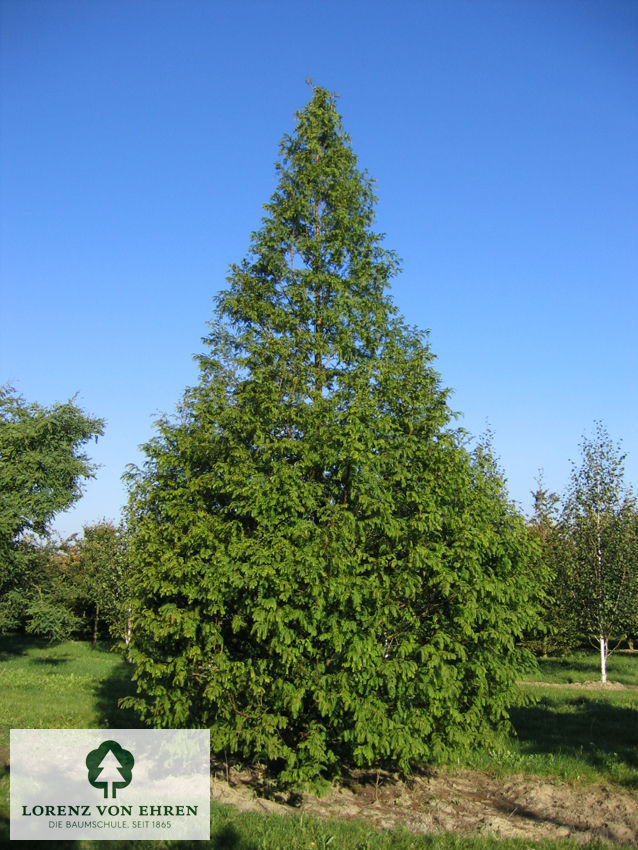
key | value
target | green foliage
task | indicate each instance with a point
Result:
(599, 518)
(43, 595)
(559, 631)
(322, 572)
(74, 586)
(41, 471)
(101, 566)
(42, 467)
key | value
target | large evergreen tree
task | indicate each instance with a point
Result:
(323, 573)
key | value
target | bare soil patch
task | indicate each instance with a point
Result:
(466, 802)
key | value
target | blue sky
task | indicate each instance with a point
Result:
(137, 146)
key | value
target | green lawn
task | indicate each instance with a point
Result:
(583, 666)
(570, 733)
(578, 734)
(64, 686)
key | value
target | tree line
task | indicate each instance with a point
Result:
(314, 563)
(58, 588)
(589, 541)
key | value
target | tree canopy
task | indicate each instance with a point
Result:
(323, 573)
(42, 468)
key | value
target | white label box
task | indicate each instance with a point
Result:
(110, 784)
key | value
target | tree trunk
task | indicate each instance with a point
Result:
(97, 614)
(603, 660)
(127, 636)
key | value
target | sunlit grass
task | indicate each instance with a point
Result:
(572, 733)
(584, 666)
(64, 686)
(234, 830)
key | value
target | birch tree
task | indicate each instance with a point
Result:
(599, 516)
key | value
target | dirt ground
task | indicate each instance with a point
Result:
(465, 802)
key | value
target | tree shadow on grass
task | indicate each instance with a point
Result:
(229, 839)
(594, 731)
(13, 645)
(50, 662)
(116, 685)
(589, 666)
(4, 813)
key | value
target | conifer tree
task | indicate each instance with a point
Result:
(323, 574)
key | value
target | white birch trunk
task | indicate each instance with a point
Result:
(603, 660)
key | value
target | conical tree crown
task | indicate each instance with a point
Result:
(309, 303)
(324, 575)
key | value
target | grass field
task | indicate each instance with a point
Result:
(574, 732)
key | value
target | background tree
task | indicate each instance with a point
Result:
(101, 565)
(599, 514)
(632, 631)
(42, 469)
(560, 627)
(73, 586)
(322, 572)
(45, 600)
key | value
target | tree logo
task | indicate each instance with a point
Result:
(110, 764)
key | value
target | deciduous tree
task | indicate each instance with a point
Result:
(100, 558)
(599, 515)
(560, 626)
(42, 468)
